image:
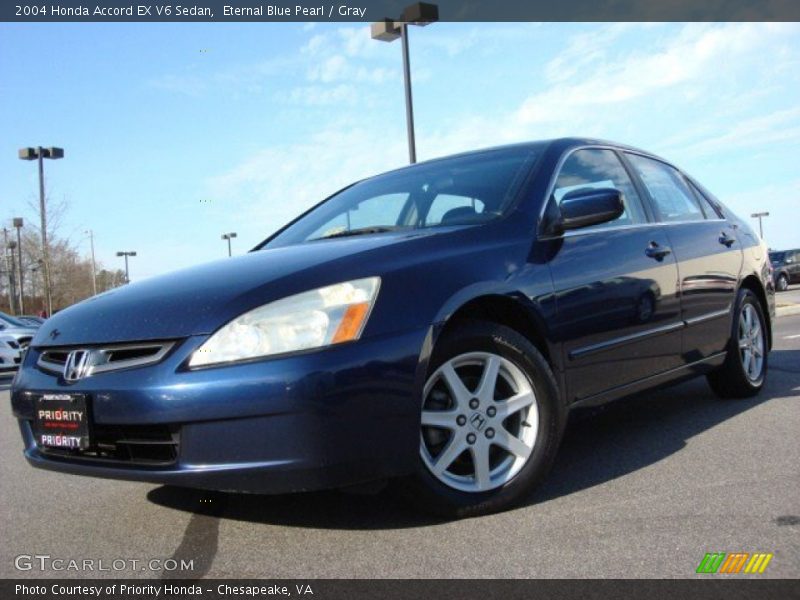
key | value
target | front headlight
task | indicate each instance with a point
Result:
(329, 315)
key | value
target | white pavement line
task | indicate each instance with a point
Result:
(791, 337)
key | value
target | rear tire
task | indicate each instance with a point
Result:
(744, 371)
(491, 422)
(782, 284)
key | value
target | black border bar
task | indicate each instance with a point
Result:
(374, 10)
(714, 587)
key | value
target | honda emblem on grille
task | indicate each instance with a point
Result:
(77, 365)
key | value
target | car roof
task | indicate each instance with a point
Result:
(558, 144)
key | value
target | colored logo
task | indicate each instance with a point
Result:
(734, 562)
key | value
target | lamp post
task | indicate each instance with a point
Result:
(13, 298)
(759, 216)
(94, 264)
(229, 237)
(35, 268)
(18, 226)
(389, 30)
(126, 255)
(8, 255)
(40, 154)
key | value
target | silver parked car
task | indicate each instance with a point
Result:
(16, 329)
(10, 355)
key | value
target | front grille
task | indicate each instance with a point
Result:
(144, 445)
(102, 359)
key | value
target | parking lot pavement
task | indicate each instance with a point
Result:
(643, 488)
(788, 302)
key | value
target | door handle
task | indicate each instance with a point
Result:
(653, 250)
(726, 240)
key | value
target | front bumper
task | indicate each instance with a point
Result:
(322, 419)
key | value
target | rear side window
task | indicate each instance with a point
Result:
(708, 208)
(596, 168)
(673, 199)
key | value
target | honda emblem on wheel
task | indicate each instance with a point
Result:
(477, 421)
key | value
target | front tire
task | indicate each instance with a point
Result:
(490, 425)
(744, 371)
(782, 284)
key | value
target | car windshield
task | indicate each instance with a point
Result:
(463, 190)
(777, 257)
(9, 320)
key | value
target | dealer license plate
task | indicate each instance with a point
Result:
(61, 421)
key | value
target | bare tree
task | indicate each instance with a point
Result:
(70, 272)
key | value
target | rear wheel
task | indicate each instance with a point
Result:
(745, 368)
(490, 423)
(783, 282)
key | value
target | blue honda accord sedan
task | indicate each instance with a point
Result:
(433, 325)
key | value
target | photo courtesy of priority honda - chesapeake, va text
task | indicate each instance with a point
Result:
(433, 326)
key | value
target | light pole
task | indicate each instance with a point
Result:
(94, 264)
(8, 255)
(12, 296)
(389, 30)
(759, 216)
(229, 237)
(126, 255)
(40, 154)
(18, 226)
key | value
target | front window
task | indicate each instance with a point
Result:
(463, 190)
(597, 168)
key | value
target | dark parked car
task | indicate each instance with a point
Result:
(786, 268)
(31, 320)
(434, 324)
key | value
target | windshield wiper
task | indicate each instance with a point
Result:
(359, 231)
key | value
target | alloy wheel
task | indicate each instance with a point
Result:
(751, 343)
(480, 422)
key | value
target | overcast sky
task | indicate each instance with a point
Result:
(177, 133)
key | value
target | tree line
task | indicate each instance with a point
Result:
(70, 271)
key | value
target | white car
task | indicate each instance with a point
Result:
(10, 355)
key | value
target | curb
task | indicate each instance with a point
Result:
(784, 311)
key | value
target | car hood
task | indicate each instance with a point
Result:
(200, 299)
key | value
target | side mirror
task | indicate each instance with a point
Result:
(588, 206)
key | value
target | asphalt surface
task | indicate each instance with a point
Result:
(789, 297)
(643, 488)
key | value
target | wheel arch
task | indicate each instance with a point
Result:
(515, 311)
(753, 283)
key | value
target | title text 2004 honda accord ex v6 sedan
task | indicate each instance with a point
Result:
(432, 325)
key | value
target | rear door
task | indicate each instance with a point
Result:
(707, 250)
(793, 267)
(617, 311)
